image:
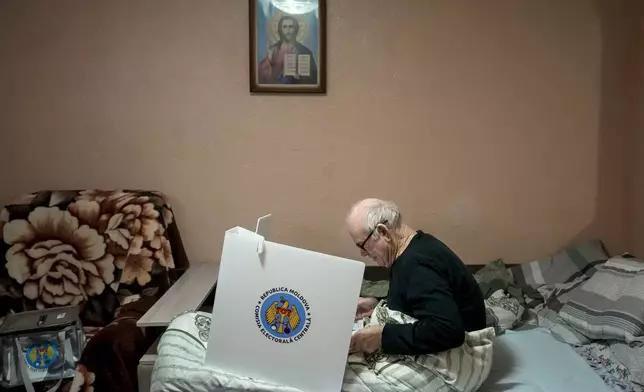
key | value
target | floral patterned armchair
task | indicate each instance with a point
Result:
(112, 252)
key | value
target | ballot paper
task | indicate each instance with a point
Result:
(357, 325)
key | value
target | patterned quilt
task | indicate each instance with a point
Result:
(619, 365)
(182, 349)
(112, 252)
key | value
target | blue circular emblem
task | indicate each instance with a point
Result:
(283, 315)
(41, 355)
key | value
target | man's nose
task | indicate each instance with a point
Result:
(363, 253)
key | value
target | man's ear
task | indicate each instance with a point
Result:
(383, 231)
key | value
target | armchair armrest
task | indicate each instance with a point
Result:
(186, 294)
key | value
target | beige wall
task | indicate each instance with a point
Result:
(637, 154)
(480, 120)
(620, 24)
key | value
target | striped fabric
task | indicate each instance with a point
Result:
(610, 305)
(462, 369)
(564, 267)
(179, 365)
(549, 319)
(182, 349)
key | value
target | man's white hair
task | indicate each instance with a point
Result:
(377, 212)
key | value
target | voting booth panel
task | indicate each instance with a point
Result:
(282, 314)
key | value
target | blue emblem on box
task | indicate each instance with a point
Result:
(283, 315)
(40, 356)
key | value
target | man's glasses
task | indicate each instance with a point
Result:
(361, 245)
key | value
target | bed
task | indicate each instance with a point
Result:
(570, 322)
(590, 304)
(522, 361)
(589, 301)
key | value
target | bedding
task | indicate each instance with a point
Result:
(598, 310)
(561, 297)
(377, 289)
(462, 369)
(546, 318)
(610, 305)
(633, 359)
(502, 312)
(494, 271)
(564, 267)
(183, 346)
(556, 295)
(604, 359)
(180, 355)
(555, 277)
(533, 361)
(496, 276)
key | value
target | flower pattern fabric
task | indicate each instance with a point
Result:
(133, 226)
(93, 248)
(599, 357)
(65, 247)
(59, 261)
(83, 380)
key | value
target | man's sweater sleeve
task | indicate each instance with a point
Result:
(439, 326)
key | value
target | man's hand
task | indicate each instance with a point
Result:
(365, 307)
(366, 340)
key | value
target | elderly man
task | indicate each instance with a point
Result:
(427, 281)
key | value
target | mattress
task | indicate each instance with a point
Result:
(533, 361)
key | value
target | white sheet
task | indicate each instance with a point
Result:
(533, 361)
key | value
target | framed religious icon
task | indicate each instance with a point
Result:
(287, 46)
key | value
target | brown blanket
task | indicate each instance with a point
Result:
(94, 248)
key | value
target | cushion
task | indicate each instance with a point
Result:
(493, 275)
(610, 305)
(546, 318)
(502, 312)
(563, 267)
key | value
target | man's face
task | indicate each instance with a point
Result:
(375, 249)
(288, 30)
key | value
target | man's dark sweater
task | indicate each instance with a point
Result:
(430, 283)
